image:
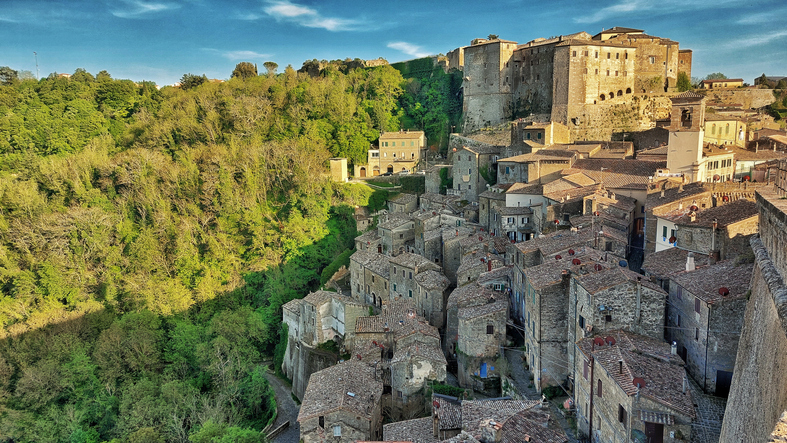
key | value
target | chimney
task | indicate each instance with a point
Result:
(674, 348)
(662, 192)
(692, 216)
(690, 262)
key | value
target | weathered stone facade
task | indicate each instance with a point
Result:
(759, 377)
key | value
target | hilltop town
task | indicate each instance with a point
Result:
(561, 275)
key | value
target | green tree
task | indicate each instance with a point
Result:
(270, 67)
(103, 75)
(683, 83)
(715, 76)
(244, 70)
(189, 81)
(8, 76)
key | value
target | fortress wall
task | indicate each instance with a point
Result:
(759, 385)
(598, 122)
(748, 98)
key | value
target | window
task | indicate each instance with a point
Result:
(508, 170)
(607, 72)
(696, 334)
(652, 59)
(337, 431)
(573, 53)
(394, 286)
(402, 273)
(386, 285)
(596, 71)
(596, 54)
(679, 293)
(586, 70)
(322, 421)
(617, 56)
(626, 56)
(616, 74)
(622, 415)
(609, 54)
(401, 235)
(608, 318)
(524, 220)
(582, 322)
(539, 136)
(410, 274)
(527, 135)
(410, 293)
(677, 321)
(696, 305)
(372, 279)
(586, 53)
(469, 170)
(490, 329)
(585, 369)
(598, 391)
(510, 219)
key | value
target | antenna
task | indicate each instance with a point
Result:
(36, 56)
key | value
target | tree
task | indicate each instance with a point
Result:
(103, 75)
(245, 70)
(189, 81)
(492, 37)
(271, 68)
(8, 76)
(26, 75)
(715, 76)
(684, 83)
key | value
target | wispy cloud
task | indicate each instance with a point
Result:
(761, 17)
(408, 48)
(629, 7)
(305, 16)
(138, 8)
(755, 40)
(238, 55)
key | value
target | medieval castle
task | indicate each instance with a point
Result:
(564, 76)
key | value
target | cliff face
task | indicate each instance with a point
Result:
(758, 395)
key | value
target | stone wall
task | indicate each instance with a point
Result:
(308, 361)
(760, 377)
(629, 113)
(748, 98)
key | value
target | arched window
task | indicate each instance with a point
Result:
(611, 94)
(602, 97)
(620, 93)
(628, 90)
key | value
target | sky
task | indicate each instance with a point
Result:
(160, 40)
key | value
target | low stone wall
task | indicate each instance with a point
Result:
(747, 98)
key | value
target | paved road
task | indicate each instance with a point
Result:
(710, 413)
(288, 410)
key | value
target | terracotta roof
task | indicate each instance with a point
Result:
(618, 173)
(413, 261)
(526, 188)
(530, 423)
(471, 294)
(725, 214)
(648, 359)
(688, 95)
(571, 194)
(350, 386)
(705, 282)
(420, 349)
(614, 276)
(671, 195)
(762, 155)
(482, 310)
(551, 272)
(722, 80)
(670, 261)
(620, 30)
(449, 413)
(474, 411)
(401, 134)
(432, 279)
(438, 198)
(418, 430)
(373, 261)
(579, 179)
(513, 210)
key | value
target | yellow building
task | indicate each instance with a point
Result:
(724, 130)
(725, 83)
(397, 152)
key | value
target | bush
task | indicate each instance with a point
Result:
(551, 392)
(453, 391)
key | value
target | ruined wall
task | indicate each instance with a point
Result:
(748, 98)
(629, 113)
(760, 377)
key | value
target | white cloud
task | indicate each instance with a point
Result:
(138, 8)
(755, 40)
(627, 8)
(306, 16)
(243, 55)
(408, 48)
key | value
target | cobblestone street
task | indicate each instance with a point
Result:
(288, 410)
(710, 413)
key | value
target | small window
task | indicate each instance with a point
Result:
(402, 273)
(599, 390)
(596, 71)
(608, 318)
(652, 59)
(401, 235)
(539, 136)
(607, 72)
(410, 293)
(410, 275)
(596, 54)
(609, 54)
(677, 321)
(696, 305)
(337, 431)
(617, 56)
(581, 322)
(585, 369)
(664, 231)
(622, 415)
(490, 329)
(573, 53)
(322, 421)
(394, 287)
(696, 334)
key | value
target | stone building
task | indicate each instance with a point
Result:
(566, 76)
(471, 165)
(397, 152)
(721, 129)
(431, 297)
(405, 268)
(317, 318)
(723, 230)
(342, 402)
(722, 83)
(631, 388)
(432, 177)
(492, 198)
(515, 223)
(397, 234)
(542, 166)
(339, 169)
(660, 266)
(369, 277)
(412, 367)
(404, 203)
(704, 318)
(759, 375)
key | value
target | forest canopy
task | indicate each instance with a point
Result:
(148, 239)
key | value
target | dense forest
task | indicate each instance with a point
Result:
(148, 239)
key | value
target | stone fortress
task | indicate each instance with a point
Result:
(564, 77)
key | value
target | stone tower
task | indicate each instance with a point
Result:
(684, 153)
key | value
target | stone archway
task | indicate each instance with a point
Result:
(375, 171)
(362, 172)
(390, 169)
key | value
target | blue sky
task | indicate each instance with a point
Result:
(160, 40)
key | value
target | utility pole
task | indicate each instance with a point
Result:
(36, 56)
